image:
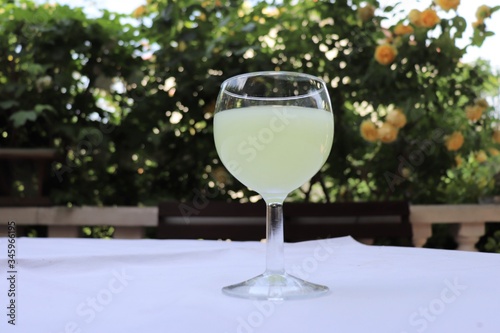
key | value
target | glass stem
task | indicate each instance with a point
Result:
(275, 260)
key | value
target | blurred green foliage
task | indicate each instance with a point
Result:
(493, 243)
(57, 67)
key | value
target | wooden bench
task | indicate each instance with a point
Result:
(303, 221)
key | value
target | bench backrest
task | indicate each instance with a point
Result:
(303, 221)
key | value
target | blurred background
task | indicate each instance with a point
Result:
(111, 102)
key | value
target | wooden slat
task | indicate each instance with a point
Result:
(399, 208)
(27, 153)
(82, 216)
(122, 216)
(235, 231)
(225, 209)
(24, 202)
(303, 221)
(211, 209)
(297, 233)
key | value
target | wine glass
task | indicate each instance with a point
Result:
(273, 131)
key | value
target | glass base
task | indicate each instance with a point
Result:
(275, 287)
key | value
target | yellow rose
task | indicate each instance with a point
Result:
(182, 46)
(139, 11)
(385, 54)
(414, 16)
(220, 175)
(481, 156)
(473, 112)
(496, 136)
(402, 29)
(368, 131)
(429, 18)
(454, 141)
(448, 4)
(387, 133)
(366, 13)
(493, 152)
(396, 118)
(483, 12)
(459, 160)
(482, 102)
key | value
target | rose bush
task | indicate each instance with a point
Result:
(406, 107)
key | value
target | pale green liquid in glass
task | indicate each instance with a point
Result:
(273, 149)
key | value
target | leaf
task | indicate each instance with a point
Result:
(166, 14)
(477, 38)
(390, 8)
(460, 24)
(21, 117)
(225, 21)
(35, 69)
(39, 108)
(8, 104)
(249, 27)
(188, 36)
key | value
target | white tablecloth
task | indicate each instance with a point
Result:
(82, 285)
